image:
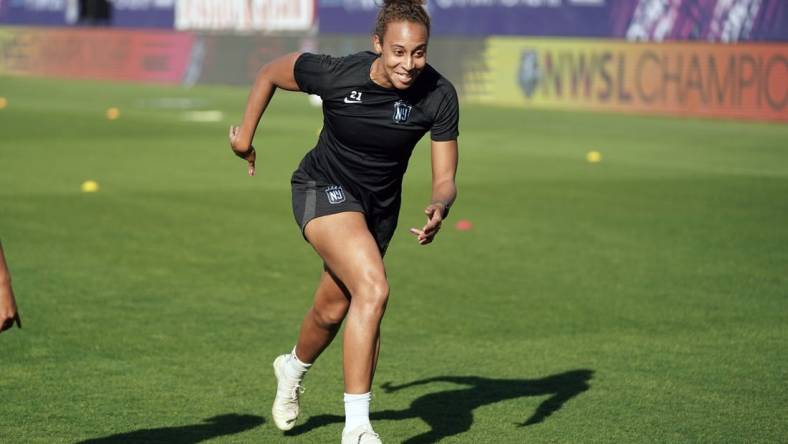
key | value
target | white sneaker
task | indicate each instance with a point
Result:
(362, 434)
(285, 410)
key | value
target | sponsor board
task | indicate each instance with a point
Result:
(744, 81)
(151, 56)
(578, 18)
(705, 20)
(143, 13)
(638, 20)
(123, 13)
(32, 12)
(347, 16)
(245, 15)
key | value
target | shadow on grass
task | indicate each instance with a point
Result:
(214, 427)
(450, 412)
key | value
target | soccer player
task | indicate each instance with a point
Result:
(8, 311)
(347, 190)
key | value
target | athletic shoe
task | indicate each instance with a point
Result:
(285, 410)
(362, 434)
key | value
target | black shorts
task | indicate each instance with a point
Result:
(313, 198)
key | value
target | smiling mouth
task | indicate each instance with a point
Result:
(405, 78)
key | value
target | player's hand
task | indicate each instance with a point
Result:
(246, 153)
(434, 213)
(8, 312)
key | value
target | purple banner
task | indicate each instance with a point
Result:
(346, 16)
(580, 18)
(30, 12)
(589, 18)
(144, 14)
(640, 20)
(706, 20)
(122, 13)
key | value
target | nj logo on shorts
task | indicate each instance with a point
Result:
(335, 194)
(401, 112)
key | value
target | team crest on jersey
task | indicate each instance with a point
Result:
(335, 194)
(401, 111)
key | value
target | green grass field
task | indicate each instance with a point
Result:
(640, 299)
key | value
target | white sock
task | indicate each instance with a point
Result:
(294, 368)
(356, 410)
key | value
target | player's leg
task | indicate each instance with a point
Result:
(321, 323)
(312, 200)
(318, 329)
(346, 245)
(344, 242)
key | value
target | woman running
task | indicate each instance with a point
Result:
(347, 190)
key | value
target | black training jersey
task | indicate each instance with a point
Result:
(369, 131)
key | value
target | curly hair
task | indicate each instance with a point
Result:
(401, 10)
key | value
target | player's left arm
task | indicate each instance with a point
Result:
(444, 189)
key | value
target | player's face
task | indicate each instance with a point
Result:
(403, 52)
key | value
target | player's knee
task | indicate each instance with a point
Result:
(330, 316)
(372, 298)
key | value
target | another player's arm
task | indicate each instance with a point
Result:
(275, 74)
(8, 310)
(444, 189)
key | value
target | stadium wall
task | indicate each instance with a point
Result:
(187, 57)
(709, 58)
(742, 81)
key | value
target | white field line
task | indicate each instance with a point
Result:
(203, 116)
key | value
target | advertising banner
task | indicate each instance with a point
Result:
(706, 20)
(571, 18)
(96, 54)
(347, 16)
(123, 13)
(245, 15)
(588, 18)
(31, 12)
(641, 20)
(143, 13)
(744, 81)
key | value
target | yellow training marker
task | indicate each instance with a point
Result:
(89, 186)
(3, 102)
(113, 113)
(593, 156)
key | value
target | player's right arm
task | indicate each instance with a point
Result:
(278, 73)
